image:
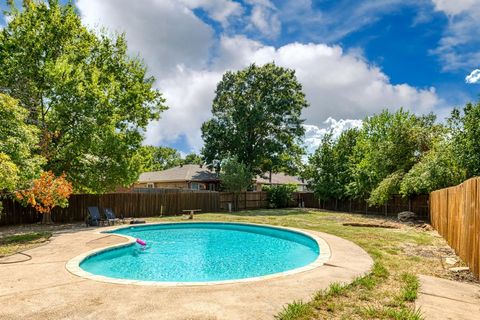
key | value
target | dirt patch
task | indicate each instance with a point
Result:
(370, 225)
(412, 249)
(447, 257)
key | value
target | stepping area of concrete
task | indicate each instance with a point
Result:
(441, 299)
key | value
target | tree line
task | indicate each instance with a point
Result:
(397, 153)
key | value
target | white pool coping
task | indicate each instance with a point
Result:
(73, 265)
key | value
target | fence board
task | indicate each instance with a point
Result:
(455, 214)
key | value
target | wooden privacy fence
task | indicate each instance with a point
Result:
(246, 200)
(418, 204)
(124, 204)
(455, 214)
(170, 202)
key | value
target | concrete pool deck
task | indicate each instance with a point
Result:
(42, 288)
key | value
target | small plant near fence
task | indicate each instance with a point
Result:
(46, 192)
(280, 196)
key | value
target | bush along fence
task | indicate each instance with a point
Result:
(171, 202)
(455, 214)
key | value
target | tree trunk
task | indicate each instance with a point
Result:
(47, 218)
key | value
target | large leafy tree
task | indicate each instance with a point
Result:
(256, 118)
(321, 172)
(89, 99)
(438, 168)
(328, 170)
(18, 141)
(387, 147)
(154, 158)
(193, 158)
(343, 155)
(465, 128)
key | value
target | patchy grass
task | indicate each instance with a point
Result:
(295, 311)
(387, 292)
(18, 242)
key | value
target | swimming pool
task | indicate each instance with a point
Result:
(203, 252)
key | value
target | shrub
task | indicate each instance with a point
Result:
(280, 195)
(46, 192)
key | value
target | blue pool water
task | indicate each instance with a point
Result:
(198, 252)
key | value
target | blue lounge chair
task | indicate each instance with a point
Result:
(94, 218)
(110, 215)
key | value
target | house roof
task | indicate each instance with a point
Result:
(280, 178)
(188, 172)
(193, 172)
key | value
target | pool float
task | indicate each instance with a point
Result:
(141, 242)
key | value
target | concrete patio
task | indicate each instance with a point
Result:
(442, 299)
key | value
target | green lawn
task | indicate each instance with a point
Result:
(23, 241)
(388, 292)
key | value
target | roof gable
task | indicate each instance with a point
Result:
(189, 172)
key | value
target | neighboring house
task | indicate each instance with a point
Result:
(195, 177)
(189, 176)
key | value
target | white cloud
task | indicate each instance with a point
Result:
(189, 95)
(453, 7)
(164, 32)
(314, 134)
(337, 84)
(458, 47)
(264, 17)
(219, 10)
(187, 62)
(473, 77)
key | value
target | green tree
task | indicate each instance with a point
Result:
(386, 188)
(328, 170)
(387, 147)
(321, 172)
(193, 158)
(257, 118)
(154, 158)
(235, 177)
(465, 128)
(18, 141)
(439, 168)
(343, 157)
(89, 99)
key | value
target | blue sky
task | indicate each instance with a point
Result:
(353, 57)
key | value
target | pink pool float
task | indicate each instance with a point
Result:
(141, 242)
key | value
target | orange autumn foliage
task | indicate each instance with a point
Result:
(46, 192)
